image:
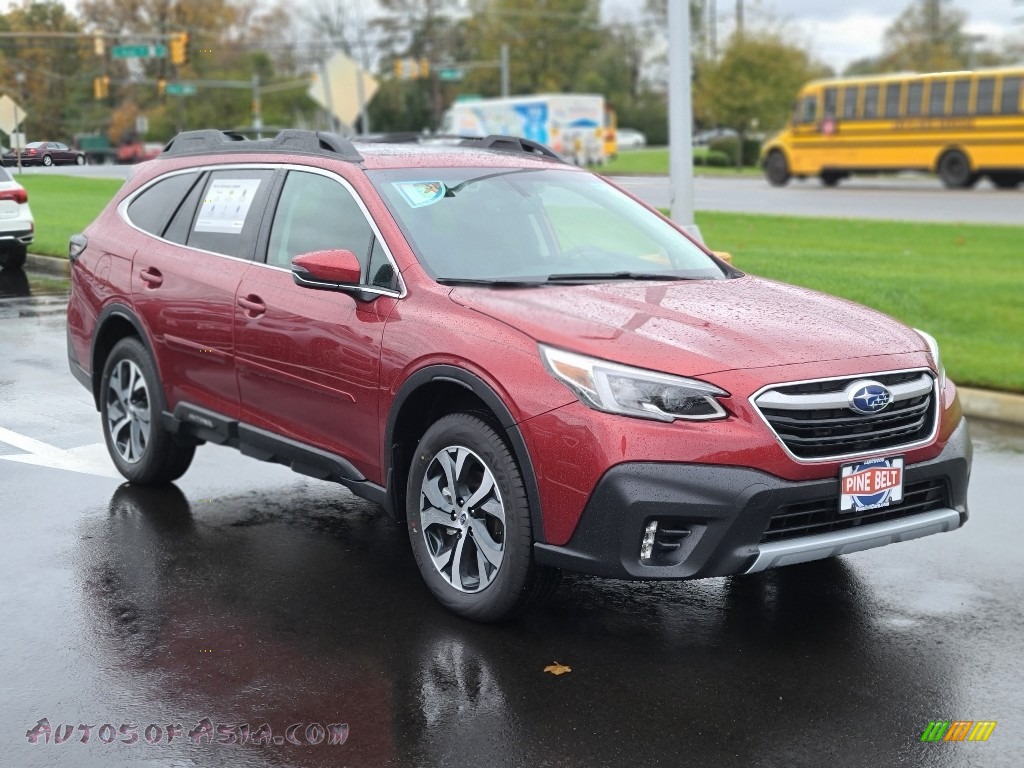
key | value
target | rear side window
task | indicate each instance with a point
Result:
(892, 99)
(1011, 96)
(986, 96)
(937, 98)
(316, 213)
(230, 211)
(961, 97)
(151, 210)
(850, 102)
(871, 102)
(915, 99)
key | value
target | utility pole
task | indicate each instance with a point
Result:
(257, 106)
(713, 28)
(739, 18)
(504, 70)
(680, 118)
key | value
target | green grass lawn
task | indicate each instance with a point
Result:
(962, 283)
(62, 206)
(653, 161)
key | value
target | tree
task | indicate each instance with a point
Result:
(927, 37)
(753, 84)
(55, 89)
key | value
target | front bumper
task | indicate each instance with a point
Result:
(716, 517)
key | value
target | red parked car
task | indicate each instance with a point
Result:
(530, 368)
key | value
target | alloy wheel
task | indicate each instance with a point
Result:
(462, 518)
(129, 414)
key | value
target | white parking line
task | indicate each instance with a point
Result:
(87, 459)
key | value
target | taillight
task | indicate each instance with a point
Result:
(31, 151)
(17, 195)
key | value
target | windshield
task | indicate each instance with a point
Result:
(530, 226)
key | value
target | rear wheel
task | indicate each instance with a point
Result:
(831, 178)
(469, 522)
(955, 170)
(1006, 180)
(13, 257)
(131, 403)
(776, 169)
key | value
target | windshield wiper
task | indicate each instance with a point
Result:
(489, 281)
(569, 277)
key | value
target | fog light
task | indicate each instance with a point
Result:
(647, 545)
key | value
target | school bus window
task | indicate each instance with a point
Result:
(892, 99)
(1011, 96)
(850, 102)
(986, 96)
(871, 101)
(831, 101)
(915, 99)
(807, 112)
(961, 97)
(937, 98)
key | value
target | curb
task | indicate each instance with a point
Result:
(48, 265)
(976, 403)
(994, 406)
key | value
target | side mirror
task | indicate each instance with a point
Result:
(333, 270)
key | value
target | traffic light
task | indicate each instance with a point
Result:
(424, 68)
(399, 67)
(101, 87)
(179, 48)
(99, 45)
(161, 86)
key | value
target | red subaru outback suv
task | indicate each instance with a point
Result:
(530, 368)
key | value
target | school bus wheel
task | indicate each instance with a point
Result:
(776, 169)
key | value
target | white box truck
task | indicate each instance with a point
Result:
(572, 124)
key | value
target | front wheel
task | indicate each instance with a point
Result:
(79, 159)
(776, 169)
(47, 160)
(469, 522)
(131, 403)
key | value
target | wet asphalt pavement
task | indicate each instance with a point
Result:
(246, 594)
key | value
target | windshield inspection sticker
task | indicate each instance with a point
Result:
(420, 193)
(226, 205)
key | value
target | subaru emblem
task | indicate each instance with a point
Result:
(868, 397)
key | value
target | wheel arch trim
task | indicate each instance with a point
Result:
(119, 311)
(459, 376)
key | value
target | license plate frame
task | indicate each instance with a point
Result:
(871, 484)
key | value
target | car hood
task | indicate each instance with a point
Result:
(695, 327)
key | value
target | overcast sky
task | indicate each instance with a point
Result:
(841, 32)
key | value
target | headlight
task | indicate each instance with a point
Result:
(933, 348)
(633, 391)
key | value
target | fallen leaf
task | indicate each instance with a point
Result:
(557, 669)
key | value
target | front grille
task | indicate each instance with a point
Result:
(814, 421)
(822, 515)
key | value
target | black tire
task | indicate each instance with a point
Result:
(516, 583)
(776, 169)
(158, 458)
(955, 170)
(831, 178)
(47, 160)
(79, 159)
(1006, 180)
(13, 257)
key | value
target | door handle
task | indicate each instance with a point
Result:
(151, 277)
(252, 304)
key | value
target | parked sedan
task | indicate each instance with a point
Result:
(630, 138)
(46, 153)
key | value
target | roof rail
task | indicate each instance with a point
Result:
(291, 140)
(512, 144)
(494, 141)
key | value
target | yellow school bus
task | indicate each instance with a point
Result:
(960, 125)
